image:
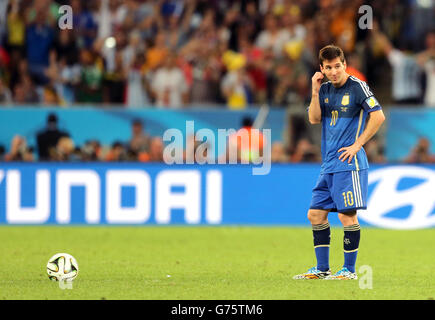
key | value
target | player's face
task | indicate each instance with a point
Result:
(335, 71)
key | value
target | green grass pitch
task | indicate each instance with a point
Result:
(180, 262)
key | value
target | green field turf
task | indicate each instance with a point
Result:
(210, 263)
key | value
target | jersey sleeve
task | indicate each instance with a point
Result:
(322, 96)
(365, 98)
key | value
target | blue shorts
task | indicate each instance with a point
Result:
(342, 191)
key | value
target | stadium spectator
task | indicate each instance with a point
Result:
(169, 85)
(406, 85)
(134, 47)
(278, 154)
(426, 60)
(421, 152)
(140, 140)
(64, 150)
(155, 153)
(305, 151)
(19, 150)
(5, 93)
(66, 47)
(269, 37)
(138, 86)
(50, 96)
(374, 151)
(202, 61)
(157, 54)
(50, 8)
(68, 80)
(16, 30)
(117, 152)
(19, 94)
(16, 73)
(251, 20)
(342, 24)
(236, 85)
(291, 85)
(354, 67)
(39, 43)
(90, 86)
(256, 67)
(90, 151)
(135, 12)
(48, 138)
(114, 82)
(25, 91)
(109, 17)
(248, 141)
(292, 30)
(32, 95)
(274, 37)
(85, 26)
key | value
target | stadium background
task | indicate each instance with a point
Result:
(83, 111)
(128, 70)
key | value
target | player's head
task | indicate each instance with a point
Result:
(137, 126)
(247, 122)
(333, 64)
(52, 121)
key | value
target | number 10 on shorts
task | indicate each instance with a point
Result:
(348, 198)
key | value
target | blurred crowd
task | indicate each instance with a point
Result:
(180, 53)
(170, 53)
(56, 144)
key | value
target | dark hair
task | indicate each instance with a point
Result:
(137, 121)
(247, 122)
(117, 144)
(52, 118)
(330, 52)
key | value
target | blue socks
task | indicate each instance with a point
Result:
(351, 239)
(322, 238)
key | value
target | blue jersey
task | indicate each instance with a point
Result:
(344, 112)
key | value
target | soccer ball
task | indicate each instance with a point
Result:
(62, 266)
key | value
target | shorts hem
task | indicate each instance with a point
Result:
(321, 208)
(339, 211)
(350, 210)
(343, 170)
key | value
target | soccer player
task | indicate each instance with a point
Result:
(341, 105)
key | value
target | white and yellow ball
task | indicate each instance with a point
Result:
(62, 266)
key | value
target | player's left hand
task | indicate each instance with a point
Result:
(349, 152)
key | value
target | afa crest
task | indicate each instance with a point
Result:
(345, 100)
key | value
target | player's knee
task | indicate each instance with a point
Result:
(310, 216)
(348, 219)
(317, 217)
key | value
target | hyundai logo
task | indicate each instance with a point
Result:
(399, 189)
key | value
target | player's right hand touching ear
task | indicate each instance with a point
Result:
(316, 81)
